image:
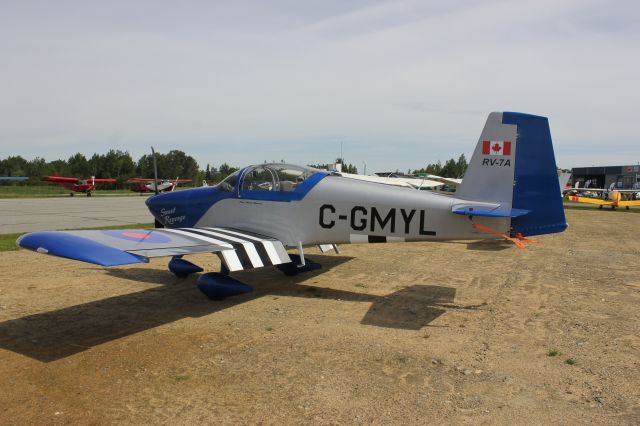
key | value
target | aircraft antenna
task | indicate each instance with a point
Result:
(155, 170)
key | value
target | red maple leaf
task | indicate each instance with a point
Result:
(496, 147)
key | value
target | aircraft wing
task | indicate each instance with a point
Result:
(629, 203)
(588, 200)
(449, 181)
(238, 249)
(406, 182)
(101, 180)
(59, 179)
(419, 183)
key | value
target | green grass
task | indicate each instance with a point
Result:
(8, 241)
(553, 352)
(43, 191)
(570, 361)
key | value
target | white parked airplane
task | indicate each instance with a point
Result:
(407, 182)
(250, 219)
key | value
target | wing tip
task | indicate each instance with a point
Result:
(59, 243)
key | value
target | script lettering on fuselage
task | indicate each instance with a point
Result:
(169, 218)
(374, 220)
(496, 162)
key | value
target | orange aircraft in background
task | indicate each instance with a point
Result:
(84, 186)
(614, 198)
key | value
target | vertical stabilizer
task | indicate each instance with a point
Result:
(490, 174)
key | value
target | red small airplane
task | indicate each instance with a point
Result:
(84, 186)
(149, 185)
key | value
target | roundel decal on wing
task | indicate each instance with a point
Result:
(139, 236)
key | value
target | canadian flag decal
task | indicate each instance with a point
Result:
(496, 147)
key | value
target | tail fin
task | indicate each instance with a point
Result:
(514, 165)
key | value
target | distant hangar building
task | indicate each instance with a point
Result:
(623, 177)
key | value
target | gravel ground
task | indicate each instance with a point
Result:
(384, 334)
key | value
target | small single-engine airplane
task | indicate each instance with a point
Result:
(603, 197)
(452, 182)
(150, 185)
(407, 182)
(84, 186)
(253, 216)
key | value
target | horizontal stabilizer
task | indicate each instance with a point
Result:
(485, 211)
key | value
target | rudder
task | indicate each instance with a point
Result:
(536, 177)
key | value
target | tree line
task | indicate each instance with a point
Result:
(346, 168)
(115, 164)
(121, 166)
(451, 168)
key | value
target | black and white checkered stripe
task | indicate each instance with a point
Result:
(243, 250)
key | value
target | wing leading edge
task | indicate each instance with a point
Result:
(238, 249)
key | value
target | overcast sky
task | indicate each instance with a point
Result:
(400, 83)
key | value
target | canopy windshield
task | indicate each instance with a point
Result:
(229, 182)
(274, 177)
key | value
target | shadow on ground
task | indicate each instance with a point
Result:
(58, 334)
(490, 245)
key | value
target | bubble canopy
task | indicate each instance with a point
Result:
(278, 181)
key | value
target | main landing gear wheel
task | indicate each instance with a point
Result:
(214, 285)
(183, 268)
(88, 194)
(217, 286)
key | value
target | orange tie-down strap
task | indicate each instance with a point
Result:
(519, 240)
(522, 238)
